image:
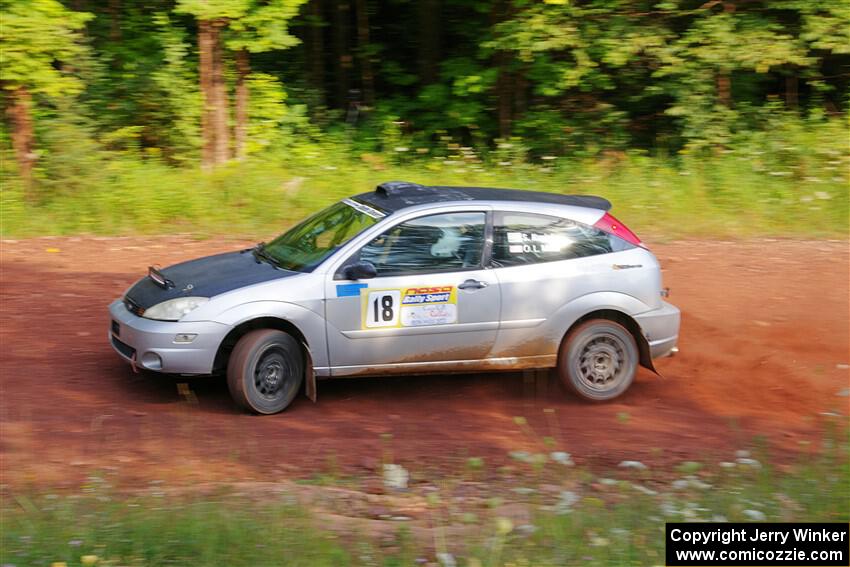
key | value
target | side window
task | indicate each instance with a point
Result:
(525, 238)
(435, 243)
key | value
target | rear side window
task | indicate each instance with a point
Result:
(525, 238)
(434, 243)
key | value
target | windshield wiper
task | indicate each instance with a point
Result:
(260, 252)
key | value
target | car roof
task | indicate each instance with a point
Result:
(394, 196)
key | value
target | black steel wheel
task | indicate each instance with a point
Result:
(265, 371)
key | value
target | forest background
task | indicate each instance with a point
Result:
(721, 118)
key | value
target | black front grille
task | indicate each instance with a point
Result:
(123, 348)
(133, 307)
(116, 328)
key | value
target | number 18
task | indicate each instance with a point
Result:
(382, 308)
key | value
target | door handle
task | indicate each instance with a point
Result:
(472, 284)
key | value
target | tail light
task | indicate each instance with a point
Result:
(612, 226)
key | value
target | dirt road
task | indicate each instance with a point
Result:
(764, 355)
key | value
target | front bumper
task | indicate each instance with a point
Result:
(150, 344)
(661, 329)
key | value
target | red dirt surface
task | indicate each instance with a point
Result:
(765, 346)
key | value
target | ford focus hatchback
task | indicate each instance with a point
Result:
(410, 279)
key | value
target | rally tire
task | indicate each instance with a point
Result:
(265, 371)
(598, 360)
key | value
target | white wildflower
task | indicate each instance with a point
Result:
(645, 490)
(562, 458)
(395, 477)
(633, 465)
(749, 463)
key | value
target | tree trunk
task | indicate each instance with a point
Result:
(114, 21)
(500, 12)
(367, 78)
(114, 11)
(19, 113)
(503, 95)
(205, 51)
(792, 90)
(220, 102)
(429, 40)
(724, 79)
(342, 16)
(724, 89)
(317, 50)
(520, 93)
(240, 132)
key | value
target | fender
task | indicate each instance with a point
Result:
(308, 322)
(629, 306)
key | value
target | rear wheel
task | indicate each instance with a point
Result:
(265, 371)
(598, 360)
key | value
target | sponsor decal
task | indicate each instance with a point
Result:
(408, 307)
(532, 243)
(350, 290)
(419, 295)
(365, 209)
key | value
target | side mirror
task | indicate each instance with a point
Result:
(360, 271)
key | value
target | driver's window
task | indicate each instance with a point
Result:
(435, 243)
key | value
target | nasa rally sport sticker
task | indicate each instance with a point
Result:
(408, 307)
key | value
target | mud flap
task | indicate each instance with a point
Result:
(309, 375)
(645, 354)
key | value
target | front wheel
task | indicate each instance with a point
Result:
(265, 371)
(598, 360)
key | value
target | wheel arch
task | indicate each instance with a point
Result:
(645, 356)
(267, 322)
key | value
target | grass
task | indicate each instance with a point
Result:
(150, 531)
(726, 195)
(586, 519)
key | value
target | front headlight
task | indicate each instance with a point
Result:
(174, 309)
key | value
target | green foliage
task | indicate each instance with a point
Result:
(213, 9)
(597, 66)
(175, 79)
(826, 25)
(574, 80)
(733, 41)
(267, 114)
(717, 45)
(39, 44)
(263, 26)
(789, 179)
(142, 97)
(557, 42)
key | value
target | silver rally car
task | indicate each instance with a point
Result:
(410, 279)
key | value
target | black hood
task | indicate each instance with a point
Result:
(206, 277)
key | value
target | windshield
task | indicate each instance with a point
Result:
(307, 244)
